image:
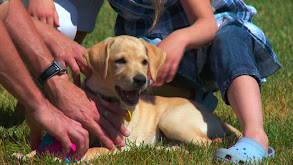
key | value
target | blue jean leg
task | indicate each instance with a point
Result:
(231, 55)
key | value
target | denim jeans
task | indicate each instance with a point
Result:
(230, 54)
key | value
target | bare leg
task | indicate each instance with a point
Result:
(80, 35)
(244, 97)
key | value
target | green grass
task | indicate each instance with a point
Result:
(274, 17)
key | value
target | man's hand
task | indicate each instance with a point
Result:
(48, 118)
(69, 53)
(64, 50)
(44, 10)
(87, 110)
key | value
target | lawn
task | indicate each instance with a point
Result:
(274, 17)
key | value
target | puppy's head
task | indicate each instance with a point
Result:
(122, 65)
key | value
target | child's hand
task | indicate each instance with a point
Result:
(44, 10)
(174, 45)
(201, 32)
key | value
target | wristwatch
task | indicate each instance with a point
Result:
(52, 70)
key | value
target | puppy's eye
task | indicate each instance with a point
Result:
(120, 61)
(144, 62)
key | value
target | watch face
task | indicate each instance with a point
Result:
(59, 66)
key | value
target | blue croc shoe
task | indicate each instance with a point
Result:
(244, 151)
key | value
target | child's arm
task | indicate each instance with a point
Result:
(201, 32)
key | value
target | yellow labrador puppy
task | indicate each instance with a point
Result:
(120, 68)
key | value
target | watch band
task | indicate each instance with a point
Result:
(50, 71)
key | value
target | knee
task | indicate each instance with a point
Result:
(230, 33)
(230, 42)
(68, 17)
(230, 36)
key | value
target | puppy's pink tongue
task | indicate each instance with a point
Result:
(132, 95)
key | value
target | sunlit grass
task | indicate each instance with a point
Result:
(274, 17)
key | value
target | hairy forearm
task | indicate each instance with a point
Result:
(26, 38)
(13, 74)
(30, 44)
(47, 32)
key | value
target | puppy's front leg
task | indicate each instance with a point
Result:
(24, 157)
(96, 152)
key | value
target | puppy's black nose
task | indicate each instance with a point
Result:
(139, 80)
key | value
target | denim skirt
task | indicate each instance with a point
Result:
(230, 54)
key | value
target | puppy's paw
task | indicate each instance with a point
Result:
(19, 156)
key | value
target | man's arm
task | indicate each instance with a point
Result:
(40, 114)
(65, 50)
(26, 39)
(73, 101)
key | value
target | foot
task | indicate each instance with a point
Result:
(259, 137)
(245, 150)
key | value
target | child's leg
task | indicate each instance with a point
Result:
(233, 63)
(244, 97)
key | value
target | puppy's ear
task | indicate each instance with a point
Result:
(97, 56)
(156, 57)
